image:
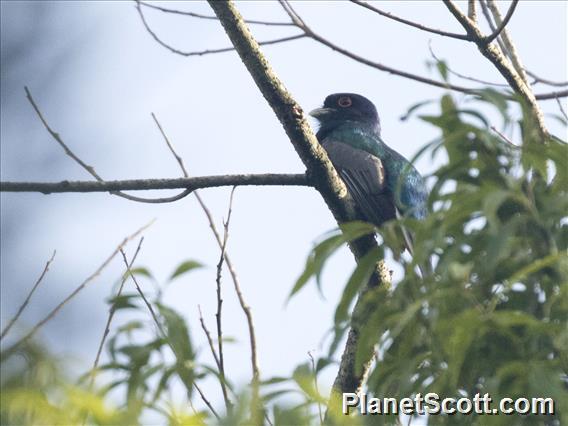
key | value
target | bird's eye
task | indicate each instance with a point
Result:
(344, 102)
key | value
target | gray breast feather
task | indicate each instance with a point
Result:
(364, 176)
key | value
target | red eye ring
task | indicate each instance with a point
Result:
(344, 102)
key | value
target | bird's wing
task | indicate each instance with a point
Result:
(364, 176)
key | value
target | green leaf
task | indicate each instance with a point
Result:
(124, 301)
(442, 69)
(322, 251)
(358, 280)
(498, 99)
(415, 108)
(177, 334)
(185, 267)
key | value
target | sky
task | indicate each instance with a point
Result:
(97, 75)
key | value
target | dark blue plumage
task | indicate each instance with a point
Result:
(350, 133)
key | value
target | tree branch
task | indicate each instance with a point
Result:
(214, 18)
(28, 297)
(242, 302)
(193, 183)
(299, 22)
(207, 51)
(503, 23)
(90, 169)
(164, 335)
(220, 304)
(515, 80)
(411, 23)
(319, 168)
(12, 349)
(507, 45)
(111, 313)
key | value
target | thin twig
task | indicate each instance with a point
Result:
(515, 77)
(316, 385)
(267, 179)
(28, 297)
(457, 74)
(562, 110)
(90, 169)
(8, 352)
(207, 51)
(165, 336)
(143, 296)
(218, 315)
(171, 147)
(345, 52)
(111, 313)
(209, 338)
(492, 26)
(106, 332)
(546, 81)
(411, 23)
(503, 23)
(234, 277)
(505, 138)
(200, 16)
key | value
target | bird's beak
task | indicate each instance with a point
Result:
(320, 112)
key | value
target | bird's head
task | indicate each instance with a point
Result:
(341, 107)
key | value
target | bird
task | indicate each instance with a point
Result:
(383, 184)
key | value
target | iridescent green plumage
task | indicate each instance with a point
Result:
(350, 133)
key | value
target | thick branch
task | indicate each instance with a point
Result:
(319, 168)
(191, 184)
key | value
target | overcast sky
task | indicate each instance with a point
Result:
(97, 75)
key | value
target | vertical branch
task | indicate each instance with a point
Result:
(220, 303)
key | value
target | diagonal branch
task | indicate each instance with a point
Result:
(164, 335)
(502, 24)
(28, 297)
(411, 23)
(111, 313)
(319, 168)
(12, 349)
(242, 302)
(90, 169)
(496, 57)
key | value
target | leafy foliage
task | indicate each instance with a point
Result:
(492, 317)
